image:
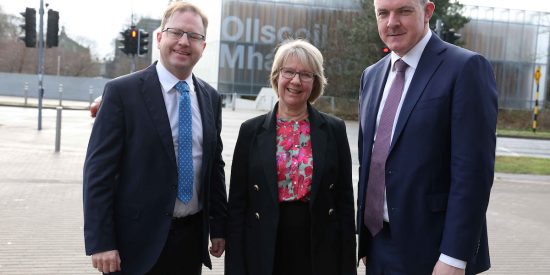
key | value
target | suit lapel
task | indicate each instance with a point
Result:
(267, 148)
(152, 95)
(207, 119)
(318, 142)
(371, 102)
(429, 62)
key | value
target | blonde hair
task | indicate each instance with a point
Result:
(182, 6)
(308, 55)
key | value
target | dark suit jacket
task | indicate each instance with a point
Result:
(130, 174)
(439, 170)
(251, 238)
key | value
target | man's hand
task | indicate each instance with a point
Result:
(364, 260)
(217, 248)
(442, 268)
(107, 261)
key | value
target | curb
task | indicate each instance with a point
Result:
(523, 137)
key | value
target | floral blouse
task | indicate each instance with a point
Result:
(294, 160)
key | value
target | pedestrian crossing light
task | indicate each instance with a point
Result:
(29, 27)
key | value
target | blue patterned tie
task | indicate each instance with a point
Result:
(185, 144)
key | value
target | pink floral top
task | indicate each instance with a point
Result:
(294, 160)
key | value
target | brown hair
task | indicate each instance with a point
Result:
(181, 6)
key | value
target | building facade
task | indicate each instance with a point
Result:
(243, 34)
(517, 43)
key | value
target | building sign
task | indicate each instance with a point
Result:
(250, 32)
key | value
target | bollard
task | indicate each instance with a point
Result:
(332, 105)
(60, 94)
(91, 92)
(26, 89)
(234, 101)
(58, 129)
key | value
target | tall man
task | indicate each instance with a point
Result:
(426, 150)
(154, 184)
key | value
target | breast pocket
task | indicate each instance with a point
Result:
(435, 102)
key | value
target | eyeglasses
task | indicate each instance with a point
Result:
(304, 76)
(178, 34)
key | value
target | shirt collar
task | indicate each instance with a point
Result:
(168, 80)
(412, 58)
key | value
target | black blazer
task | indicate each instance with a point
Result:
(130, 172)
(253, 198)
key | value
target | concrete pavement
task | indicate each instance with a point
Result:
(41, 199)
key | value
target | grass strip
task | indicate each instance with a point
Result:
(522, 165)
(523, 133)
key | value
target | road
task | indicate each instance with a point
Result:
(523, 147)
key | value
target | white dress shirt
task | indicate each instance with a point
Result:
(412, 58)
(168, 82)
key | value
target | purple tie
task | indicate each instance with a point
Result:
(374, 205)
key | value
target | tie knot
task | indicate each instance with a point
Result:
(182, 86)
(400, 65)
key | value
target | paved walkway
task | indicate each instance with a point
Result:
(41, 199)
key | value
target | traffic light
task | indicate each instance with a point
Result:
(143, 42)
(124, 41)
(451, 36)
(52, 36)
(133, 41)
(129, 41)
(29, 27)
(385, 51)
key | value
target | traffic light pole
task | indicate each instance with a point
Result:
(40, 64)
(133, 63)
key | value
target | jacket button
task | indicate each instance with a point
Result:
(257, 216)
(256, 187)
(330, 187)
(330, 212)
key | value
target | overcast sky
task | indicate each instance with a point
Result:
(98, 23)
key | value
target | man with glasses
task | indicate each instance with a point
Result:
(154, 183)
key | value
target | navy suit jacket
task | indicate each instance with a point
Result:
(440, 168)
(254, 199)
(130, 172)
